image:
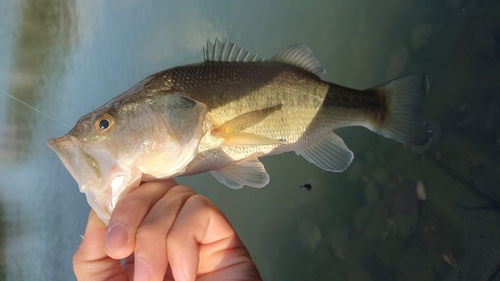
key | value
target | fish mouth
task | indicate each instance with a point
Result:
(70, 153)
(97, 172)
(84, 168)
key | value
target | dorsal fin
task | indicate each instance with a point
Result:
(228, 52)
(301, 56)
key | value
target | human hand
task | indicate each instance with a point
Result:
(163, 231)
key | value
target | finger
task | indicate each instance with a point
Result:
(90, 261)
(203, 242)
(128, 266)
(128, 215)
(150, 246)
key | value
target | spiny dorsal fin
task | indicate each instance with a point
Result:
(301, 56)
(228, 52)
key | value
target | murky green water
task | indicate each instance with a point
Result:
(371, 222)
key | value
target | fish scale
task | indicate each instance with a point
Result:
(233, 89)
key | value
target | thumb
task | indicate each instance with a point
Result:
(90, 262)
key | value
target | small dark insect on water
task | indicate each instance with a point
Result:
(306, 186)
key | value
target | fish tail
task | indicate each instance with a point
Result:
(402, 120)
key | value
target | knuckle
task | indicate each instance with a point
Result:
(145, 232)
(200, 201)
(131, 203)
(180, 189)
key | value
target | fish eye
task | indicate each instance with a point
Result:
(104, 122)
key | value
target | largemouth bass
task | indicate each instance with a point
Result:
(221, 115)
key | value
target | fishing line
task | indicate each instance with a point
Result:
(44, 114)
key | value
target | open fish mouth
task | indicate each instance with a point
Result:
(96, 171)
(82, 166)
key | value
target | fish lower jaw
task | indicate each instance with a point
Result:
(104, 195)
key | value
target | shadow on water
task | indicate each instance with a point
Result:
(45, 38)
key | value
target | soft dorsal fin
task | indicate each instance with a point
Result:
(228, 52)
(301, 56)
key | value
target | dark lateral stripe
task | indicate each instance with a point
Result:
(371, 102)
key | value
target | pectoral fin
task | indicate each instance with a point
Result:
(231, 130)
(247, 139)
(248, 119)
(249, 172)
(329, 153)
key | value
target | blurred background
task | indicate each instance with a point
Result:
(397, 213)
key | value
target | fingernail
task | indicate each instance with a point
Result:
(178, 274)
(117, 237)
(142, 270)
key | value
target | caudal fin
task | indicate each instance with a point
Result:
(404, 121)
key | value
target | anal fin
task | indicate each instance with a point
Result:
(249, 172)
(329, 153)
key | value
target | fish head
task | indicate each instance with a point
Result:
(110, 150)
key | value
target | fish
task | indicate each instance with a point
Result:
(223, 114)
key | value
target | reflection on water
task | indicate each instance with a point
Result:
(46, 35)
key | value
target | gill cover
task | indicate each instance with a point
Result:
(106, 170)
(181, 120)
